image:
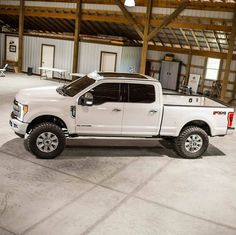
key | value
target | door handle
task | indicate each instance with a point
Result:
(116, 110)
(153, 111)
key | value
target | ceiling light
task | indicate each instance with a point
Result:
(130, 3)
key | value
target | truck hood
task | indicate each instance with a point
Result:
(48, 93)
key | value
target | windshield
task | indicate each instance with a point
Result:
(77, 86)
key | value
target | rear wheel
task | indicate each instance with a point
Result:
(192, 142)
(46, 140)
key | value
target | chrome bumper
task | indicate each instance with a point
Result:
(18, 126)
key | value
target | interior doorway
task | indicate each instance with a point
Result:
(108, 61)
(47, 57)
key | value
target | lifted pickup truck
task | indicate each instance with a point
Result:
(116, 105)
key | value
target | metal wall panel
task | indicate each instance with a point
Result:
(7, 2)
(89, 56)
(130, 59)
(51, 4)
(32, 53)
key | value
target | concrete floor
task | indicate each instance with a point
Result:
(128, 187)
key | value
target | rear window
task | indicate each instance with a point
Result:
(140, 93)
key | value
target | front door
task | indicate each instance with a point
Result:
(48, 58)
(141, 111)
(104, 117)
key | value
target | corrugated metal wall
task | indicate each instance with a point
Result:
(89, 56)
(130, 59)
(2, 48)
(32, 53)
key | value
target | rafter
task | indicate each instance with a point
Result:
(168, 19)
(129, 17)
(185, 37)
(196, 40)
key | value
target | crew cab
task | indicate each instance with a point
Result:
(116, 105)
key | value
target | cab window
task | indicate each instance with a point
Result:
(106, 92)
(141, 93)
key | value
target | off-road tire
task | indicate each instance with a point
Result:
(40, 129)
(181, 139)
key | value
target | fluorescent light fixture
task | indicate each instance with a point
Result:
(130, 3)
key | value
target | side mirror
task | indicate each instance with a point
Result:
(87, 99)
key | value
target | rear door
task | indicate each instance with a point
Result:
(142, 110)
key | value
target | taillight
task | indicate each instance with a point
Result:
(230, 119)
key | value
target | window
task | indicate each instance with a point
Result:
(107, 92)
(212, 70)
(139, 93)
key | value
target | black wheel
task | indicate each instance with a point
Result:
(192, 142)
(46, 140)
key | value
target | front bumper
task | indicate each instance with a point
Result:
(230, 131)
(18, 126)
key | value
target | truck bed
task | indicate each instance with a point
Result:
(190, 100)
(180, 109)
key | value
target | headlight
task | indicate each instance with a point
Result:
(23, 110)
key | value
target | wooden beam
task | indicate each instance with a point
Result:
(229, 59)
(145, 38)
(196, 40)
(188, 68)
(69, 13)
(213, 54)
(129, 17)
(20, 34)
(203, 75)
(185, 37)
(76, 37)
(168, 19)
(206, 40)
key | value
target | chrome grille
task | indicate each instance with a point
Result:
(16, 109)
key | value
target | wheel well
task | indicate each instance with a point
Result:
(46, 118)
(201, 124)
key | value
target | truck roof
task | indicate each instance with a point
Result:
(110, 75)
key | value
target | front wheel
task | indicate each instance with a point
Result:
(192, 142)
(46, 140)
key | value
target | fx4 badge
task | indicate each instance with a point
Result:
(219, 113)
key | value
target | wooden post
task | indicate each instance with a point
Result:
(234, 91)
(203, 75)
(229, 59)
(145, 38)
(188, 68)
(76, 37)
(20, 34)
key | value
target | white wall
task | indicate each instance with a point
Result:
(32, 53)
(130, 59)
(89, 54)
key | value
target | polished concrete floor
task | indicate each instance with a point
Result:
(113, 187)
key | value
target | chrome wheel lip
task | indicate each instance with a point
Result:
(193, 143)
(47, 142)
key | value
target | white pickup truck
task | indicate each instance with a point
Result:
(116, 105)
